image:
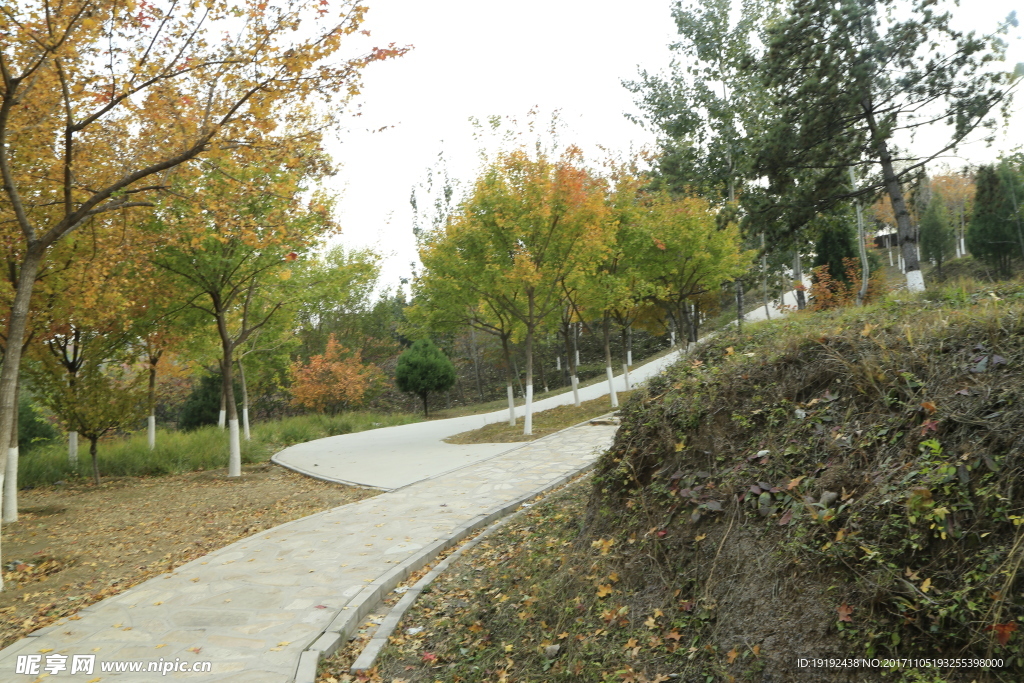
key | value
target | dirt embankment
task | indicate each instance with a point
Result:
(837, 485)
(854, 481)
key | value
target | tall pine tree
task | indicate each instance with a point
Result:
(938, 240)
(992, 234)
(847, 76)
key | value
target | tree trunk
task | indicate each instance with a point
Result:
(575, 345)
(10, 483)
(629, 345)
(476, 364)
(540, 368)
(739, 306)
(423, 395)
(519, 376)
(798, 280)
(625, 358)
(245, 402)
(151, 419)
(72, 435)
(685, 323)
(234, 443)
(16, 325)
(223, 401)
(905, 235)
(606, 325)
(570, 366)
(95, 461)
(963, 230)
(73, 449)
(508, 381)
(764, 279)
(865, 268)
(528, 412)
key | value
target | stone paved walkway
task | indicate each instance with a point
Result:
(252, 608)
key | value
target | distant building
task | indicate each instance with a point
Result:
(885, 238)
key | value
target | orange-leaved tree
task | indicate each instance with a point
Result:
(101, 100)
(334, 380)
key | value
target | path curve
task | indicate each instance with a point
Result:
(393, 457)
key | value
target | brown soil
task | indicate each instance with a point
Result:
(76, 544)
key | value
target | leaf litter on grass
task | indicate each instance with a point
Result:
(76, 544)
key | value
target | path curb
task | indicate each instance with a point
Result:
(350, 616)
(368, 657)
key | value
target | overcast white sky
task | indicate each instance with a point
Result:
(476, 58)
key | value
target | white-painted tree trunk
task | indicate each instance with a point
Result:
(73, 449)
(10, 486)
(625, 376)
(611, 386)
(234, 450)
(151, 431)
(672, 337)
(889, 251)
(528, 418)
(10, 481)
(629, 345)
(511, 405)
(221, 418)
(558, 362)
(915, 281)
(575, 381)
(245, 401)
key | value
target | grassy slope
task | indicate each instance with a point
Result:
(706, 550)
(544, 423)
(202, 449)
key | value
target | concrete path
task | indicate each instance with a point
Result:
(393, 457)
(252, 608)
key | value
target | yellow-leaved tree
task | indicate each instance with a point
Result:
(101, 100)
(529, 222)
